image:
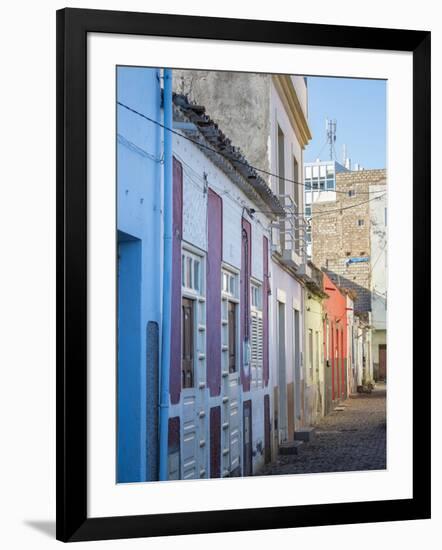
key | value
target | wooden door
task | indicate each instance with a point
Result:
(232, 336)
(247, 423)
(231, 392)
(234, 394)
(187, 343)
(382, 362)
(282, 380)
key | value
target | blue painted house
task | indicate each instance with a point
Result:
(139, 241)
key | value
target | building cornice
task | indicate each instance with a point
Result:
(287, 94)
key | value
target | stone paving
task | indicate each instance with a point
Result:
(348, 440)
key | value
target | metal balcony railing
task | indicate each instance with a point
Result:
(292, 234)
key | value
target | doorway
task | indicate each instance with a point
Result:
(297, 353)
(282, 381)
(383, 362)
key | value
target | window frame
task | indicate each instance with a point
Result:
(199, 316)
(226, 297)
(256, 312)
(193, 253)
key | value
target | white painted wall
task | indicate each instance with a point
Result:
(280, 118)
(195, 165)
(302, 92)
(378, 241)
(195, 225)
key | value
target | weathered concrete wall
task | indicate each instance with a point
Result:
(238, 102)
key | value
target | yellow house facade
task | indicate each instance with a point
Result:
(314, 396)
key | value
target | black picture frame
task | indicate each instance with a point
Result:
(73, 25)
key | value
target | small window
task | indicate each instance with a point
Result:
(330, 184)
(308, 184)
(196, 275)
(232, 285)
(360, 223)
(256, 291)
(348, 253)
(229, 283)
(225, 286)
(351, 193)
(191, 271)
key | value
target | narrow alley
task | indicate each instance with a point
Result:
(350, 439)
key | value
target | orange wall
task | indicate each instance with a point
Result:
(335, 307)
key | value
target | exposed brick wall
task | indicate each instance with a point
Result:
(337, 236)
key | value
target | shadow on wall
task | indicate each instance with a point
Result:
(362, 302)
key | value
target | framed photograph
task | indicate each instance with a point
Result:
(243, 240)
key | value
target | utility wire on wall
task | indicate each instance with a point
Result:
(331, 211)
(226, 192)
(238, 161)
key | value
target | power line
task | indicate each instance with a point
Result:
(324, 212)
(237, 201)
(211, 149)
(348, 207)
(226, 192)
(379, 256)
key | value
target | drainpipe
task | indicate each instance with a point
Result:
(167, 278)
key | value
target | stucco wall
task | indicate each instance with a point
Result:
(285, 287)
(195, 227)
(314, 399)
(139, 198)
(238, 102)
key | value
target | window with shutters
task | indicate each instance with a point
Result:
(257, 336)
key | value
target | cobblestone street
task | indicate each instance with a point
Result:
(351, 439)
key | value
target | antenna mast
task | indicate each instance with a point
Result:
(330, 128)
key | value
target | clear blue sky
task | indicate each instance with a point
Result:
(359, 107)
